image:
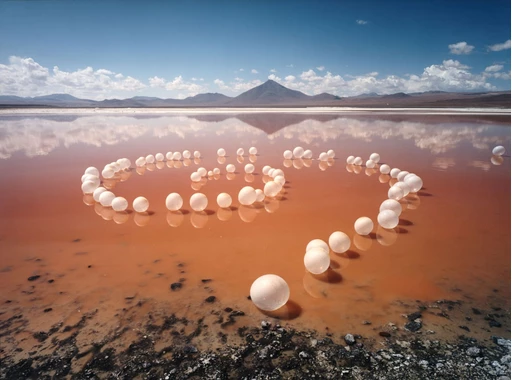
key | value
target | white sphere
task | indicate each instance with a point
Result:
(216, 171)
(350, 160)
(331, 153)
(387, 219)
(230, 168)
(141, 161)
(96, 193)
(187, 154)
(287, 154)
(106, 198)
(119, 204)
(260, 195)
(307, 154)
(176, 156)
(498, 150)
(92, 170)
(384, 169)
(370, 164)
(339, 242)
(159, 157)
(298, 152)
(115, 166)
(88, 187)
(391, 204)
(198, 202)
(90, 177)
(202, 171)
(358, 161)
(210, 173)
(317, 260)
(108, 172)
(224, 200)
(150, 159)
(221, 152)
(277, 172)
(249, 168)
(195, 177)
(396, 193)
(140, 204)
(240, 152)
(253, 150)
(197, 154)
(269, 292)
(402, 175)
(168, 156)
(271, 172)
(272, 188)
(125, 163)
(405, 188)
(173, 202)
(323, 156)
(363, 225)
(415, 183)
(247, 196)
(265, 169)
(317, 243)
(394, 172)
(375, 157)
(280, 179)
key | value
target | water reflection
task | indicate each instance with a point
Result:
(198, 219)
(386, 237)
(141, 219)
(497, 160)
(247, 213)
(121, 217)
(174, 218)
(224, 214)
(364, 243)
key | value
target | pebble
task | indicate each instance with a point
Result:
(33, 278)
(176, 286)
(473, 351)
(210, 299)
(349, 339)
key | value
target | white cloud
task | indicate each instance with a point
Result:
(461, 48)
(241, 70)
(290, 66)
(273, 70)
(493, 68)
(254, 71)
(320, 68)
(157, 82)
(499, 47)
(361, 22)
(237, 86)
(289, 78)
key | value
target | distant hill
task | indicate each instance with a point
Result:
(273, 94)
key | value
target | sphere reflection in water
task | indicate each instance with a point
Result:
(496, 160)
(271, 206)
(247, 213)
(151, 167)
(221, 160)
(323, 165)
(121, 217)
(140, 170)
(107, 213)
(298, 163)
(413, 201)
(198, 202)
(307, 162)
(317, 260)
(269, 292)
(386, 237)
(196, 186)
(198, 219)
(249, 178)
(357, 169)
(140, 204)
(224, 214)
(141, 219)
(388, 219)
(239, 159)
(349, 168)
(370, 172)
(498, 151)
(364, 243)
(383, 178)
(178, 164)
(174, 218)
(253, 158)
(187, 162)
(314, 287)
(287, 163)
(88, 199)
(339, 242)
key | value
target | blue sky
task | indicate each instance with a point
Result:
(103, 49)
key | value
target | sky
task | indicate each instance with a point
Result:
(175, 49)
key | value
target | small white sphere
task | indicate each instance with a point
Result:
(396, 193)
(119, 204)
(260, 195)
(408, 176)
(187, 154)
(298, 152)
(307, 154)
(323, 156)
(317, 243)
(317, 260)
(141, 161)
(405, 188)
(140, 204)
(195, 177)
(287, 154)
(176, 156)
(90, 177)
(88, 187)
(253, 150)
(224, 200)
(375, 157)
(115, 166)
(339, 242)
(126, 163)
(249, 168)
(272, 188)
(370, 164)
(108, 172)
(280, 179)
(197, 154)
(221, 152)
(498, 150)
(269, 292)
(402, 175)
(350, 160)
(216, 171)
(387, 219)
(277, 172)
(394, 172)
(331, 153)
(230, 168)
(415, 183)
(92, 170)
(106, 198)
(391, 204)
(384, 169)
(150, 159)
(265, 169)
(159, 157)
(363, 225)
(210, 173)
(358, 161)
(271, 172)
(96, 193)
(202, 171)
(247, 196)
(168, 156)
(173, 202)
(198, 202)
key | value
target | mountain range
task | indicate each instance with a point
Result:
(272, 94)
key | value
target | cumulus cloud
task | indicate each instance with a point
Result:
(493, 68)
(499, 47)
(254, 71)
(289, 78)
(274, 77)
(236, 86)
(320, 68)
(178, 84)
(361, 22)
(460, 48)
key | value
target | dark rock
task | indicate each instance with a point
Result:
(228, 310)
(51, 281)
(349, 339)
(176, 285)
(413, 316)
(89, 266)
(47, 310)
(210, 299)
(384, 334)
(494, 323)
(76, 240)
(473, 351)
(464, 328)
(367, 323)
(33, 278)
(413, 326)
(476, 311)
(265, 325)
(205, 280)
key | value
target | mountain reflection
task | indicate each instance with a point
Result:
(40, 135)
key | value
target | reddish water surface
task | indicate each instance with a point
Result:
(453, 241)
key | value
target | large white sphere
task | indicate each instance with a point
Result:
(168, 156)
(387, 219)
(358, 161)
(339, 242)
(270, 172)
(280, 180)
(396, 193)
(125, 163)
(384, 169)
(370, 164)
(287, 154)
(265, 169)
(106, 198)
(198, 202)
(187, 154)
(394, 172)
(331, 153)
(350, 160)
(272, 188)
(224, 200)
(375, 157)
(176, 156)
(298, 152)
(402, 175)
(260, 195)
(159, 157)
(307, 154)
(323, 156)
(230, 168)
(140, 204)
(108, 172)
(141, 161)
(202, 171)
(173, 202)
(249, 168)
(253, 150)
(391, 204)
(269, 292)
(317, 243)
(247, 196)
(119, 204)
(90, 177)
(317, 260)
(363, 225)
(150, 159)
(88, 187)
(277, 172)
(96, 193)
(221, 152)
(405, 188)
(498, 150)
(195, 177)
(216, 171)
(92, 170)
(415, 183)
(197, 154)
(240, 152)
